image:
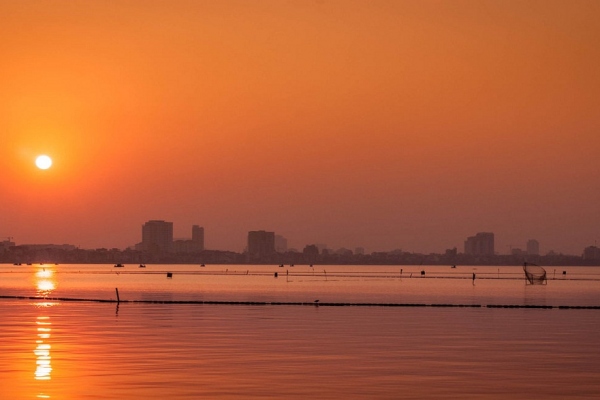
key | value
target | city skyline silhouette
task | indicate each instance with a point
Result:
(390, 125)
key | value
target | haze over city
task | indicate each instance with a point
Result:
(380, 124)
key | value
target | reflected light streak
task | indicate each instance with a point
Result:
(44, 273)
(45, 282)
(42, 350)
(45, 286)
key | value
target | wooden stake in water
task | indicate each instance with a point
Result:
(118, 299)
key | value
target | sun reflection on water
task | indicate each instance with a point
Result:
(42, 349)
(45, 284)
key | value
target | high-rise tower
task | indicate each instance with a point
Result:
(157, 236)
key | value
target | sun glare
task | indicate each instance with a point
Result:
(43, 162)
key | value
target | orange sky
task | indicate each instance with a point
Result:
(382, 124)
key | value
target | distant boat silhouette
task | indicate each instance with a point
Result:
(202, 265)
(142, 265)
(119, 265)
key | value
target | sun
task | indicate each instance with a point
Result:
(43, 162)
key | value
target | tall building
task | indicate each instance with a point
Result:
(482, 244)
(533, 247)
(157, 236)
(261, 243)
(198, 237)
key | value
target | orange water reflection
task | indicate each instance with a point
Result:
(45, 283)
(42, 349)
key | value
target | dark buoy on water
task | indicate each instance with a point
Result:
(169, 274)
(423, 273)
(275, 275)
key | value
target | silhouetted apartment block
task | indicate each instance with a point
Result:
(157, 236)
(533, 247)
(198, 238)
(482, 244)
(261, 243)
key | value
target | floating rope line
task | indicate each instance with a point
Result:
(292, 303)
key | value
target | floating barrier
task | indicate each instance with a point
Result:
(313, 303)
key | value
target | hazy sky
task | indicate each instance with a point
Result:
(382, 124)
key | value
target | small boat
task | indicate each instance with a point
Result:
(142, 265)
(119, 265)
(202, 265)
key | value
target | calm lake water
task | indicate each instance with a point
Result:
(62, 349)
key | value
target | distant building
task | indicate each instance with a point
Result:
(38, 247)
(482, 244)
(517, 252)
(311, 250)
(533, 247)
(342, 251)
(198, 237)
(261, 243)
(591, 253)
(451, 252)
(157, 236)
(281, 244)
(193, 245)
(6, 244)
(322, 247)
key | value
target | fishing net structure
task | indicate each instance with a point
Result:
(535, 274)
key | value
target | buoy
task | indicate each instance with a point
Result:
(169, 274)
(275, 275)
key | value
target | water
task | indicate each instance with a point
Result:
(89, 350)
